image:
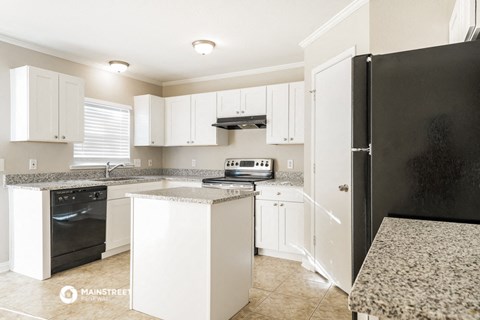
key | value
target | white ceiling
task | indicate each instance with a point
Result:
(155, 36)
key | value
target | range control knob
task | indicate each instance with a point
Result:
(256, 164)
(236, 164)
(266, 164)
(60, 199)
(96, 195)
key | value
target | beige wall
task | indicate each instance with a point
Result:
(399, 25)
(353, 31)
(242, 143)
(54, 157)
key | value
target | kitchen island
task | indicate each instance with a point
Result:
(191, 252)
(419, 269)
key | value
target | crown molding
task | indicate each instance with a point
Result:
(72, 57)
(336, 19)
(295, 65)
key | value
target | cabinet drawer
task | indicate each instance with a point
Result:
(147, 186)
(280, 193)
(117, 192)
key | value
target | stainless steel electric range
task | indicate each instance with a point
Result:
(242, 174)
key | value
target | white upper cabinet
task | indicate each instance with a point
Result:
(189, 121)
(243, 102)
(177, 121)
(149, 120)
(46, 106)
(286, 113)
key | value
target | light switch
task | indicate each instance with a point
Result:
(194, 163)
(2, 165)
(150, 162)
(290, 164)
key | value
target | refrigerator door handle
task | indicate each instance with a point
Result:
(369, 149)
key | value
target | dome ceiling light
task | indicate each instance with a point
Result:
(118, 65)
(203, 47)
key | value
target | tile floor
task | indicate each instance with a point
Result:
(282, 290)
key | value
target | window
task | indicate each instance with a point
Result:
(107, 134)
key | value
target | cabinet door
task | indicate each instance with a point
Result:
(228, 103)
(157, 121)
(266, 224)
(291, 227)
(296, 113)
(254, 101)
(203, 114)
(177, 121)
(71, 108)
(118, 223)
(277, 114)
(43, 105)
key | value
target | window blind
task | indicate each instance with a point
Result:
(107, 135)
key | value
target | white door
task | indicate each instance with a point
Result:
(291, 227)
(118, 223)
(177, 121)
(203, 115)
(254, 101)
(277, 114)
(332, 161)
(43, 105)
(296, 112)
(228, 103)
(266, 224)
(71, 105)
(157, 121)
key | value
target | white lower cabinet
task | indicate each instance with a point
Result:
(279, 223)
(118, 223)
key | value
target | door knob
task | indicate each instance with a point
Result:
(343, 187)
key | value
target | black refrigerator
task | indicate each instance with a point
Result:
(416, 139)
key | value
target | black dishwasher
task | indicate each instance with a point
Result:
(78, 222)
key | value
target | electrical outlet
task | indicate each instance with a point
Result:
(290, 164)
(32, 164)
(137, 162)
(2, 165)
(150, 162)
(194, 163)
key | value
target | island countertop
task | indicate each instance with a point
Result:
(419, 269)
(194, 195)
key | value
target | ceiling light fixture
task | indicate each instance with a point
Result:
(118, 66)
(203, 47)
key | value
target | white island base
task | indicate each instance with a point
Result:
(191, 260)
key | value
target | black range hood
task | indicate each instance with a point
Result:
(251, 122)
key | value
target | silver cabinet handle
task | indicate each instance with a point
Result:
(238, 112)
(291, 139)
(275, 204)
(281, 204)
(63, 137)
(56, 137)
(243, 111)
(285, 139)
(153, 142)
(343, 187)
(192, 141)
(279, 193)
(188, 141)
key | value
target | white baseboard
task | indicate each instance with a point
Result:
(115, 251)
(307, 264)
(4, 266)
(281, 255)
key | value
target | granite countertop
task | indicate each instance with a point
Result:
(69, 184)
(194, 195)
(419, 269)
(281, 183)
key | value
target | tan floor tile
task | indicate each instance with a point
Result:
(280, 306)
(81, 310)
(256, 296)
(305, 274)
(134, 315)
(268, 280)
(11, 315)
(10, 281)
(303, 288)
(247, 315)
(334, 306)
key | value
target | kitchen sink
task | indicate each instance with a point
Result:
(118, 179)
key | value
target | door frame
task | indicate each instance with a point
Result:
(349, 53)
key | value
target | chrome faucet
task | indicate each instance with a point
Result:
(108, 169)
